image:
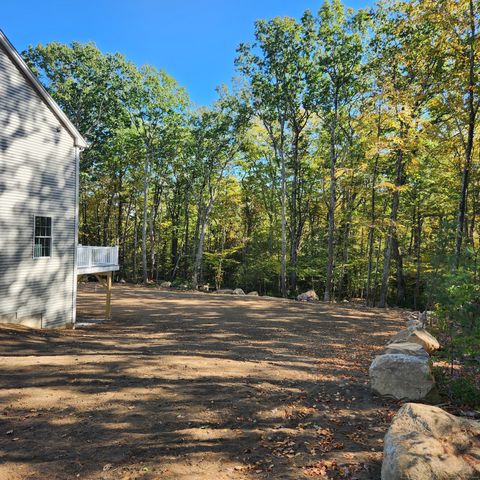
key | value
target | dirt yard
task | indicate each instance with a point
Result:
(195, 386)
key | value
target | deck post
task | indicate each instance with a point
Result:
(106, 283)
(108, 306)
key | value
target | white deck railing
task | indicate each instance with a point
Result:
(93, 257)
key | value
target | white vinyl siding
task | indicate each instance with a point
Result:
(37, 178)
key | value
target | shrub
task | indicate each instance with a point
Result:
(464, 392)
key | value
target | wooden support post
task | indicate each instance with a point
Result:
(108, 307)
(107, 285)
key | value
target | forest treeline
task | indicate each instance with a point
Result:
(344, 158)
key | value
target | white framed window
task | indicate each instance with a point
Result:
(42, 236)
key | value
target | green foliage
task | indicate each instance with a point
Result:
(462, 391)
(457, 297)
(457, 304)
(220, 261)
(182, 283)
(465, 392)
(89, 86)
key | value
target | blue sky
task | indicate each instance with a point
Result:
(193, 40)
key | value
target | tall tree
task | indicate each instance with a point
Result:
(216, 139)
(338, 55)
(155, 102)
(278, 67)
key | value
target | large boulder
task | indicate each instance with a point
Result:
(407, 348)
(401, 376)
(420, 336)
(427, 443)
(309, 296)
(238, 291)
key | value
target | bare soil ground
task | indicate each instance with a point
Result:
(195, 386)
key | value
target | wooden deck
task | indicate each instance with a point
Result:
(94, 260)
(101, 262)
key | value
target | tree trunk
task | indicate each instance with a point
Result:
(331, 212)
(152, 230)
(344, 274)
(472, 111)
(198, 252)
(135, 246)
(144, 222)
(186, 241)
(119, 238)
(123, 239)
(151, 236)
(174, 218)
(283, 200)
(418, 260)
(85, 224)
(400, 276)
(294, 220)
(106, 218)
(197, 267)
(391, 231)
(371, 228)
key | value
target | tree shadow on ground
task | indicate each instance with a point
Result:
(195, 386)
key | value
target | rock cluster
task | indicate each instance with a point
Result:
(423, 441)
(403, 371)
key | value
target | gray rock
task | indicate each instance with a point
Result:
(414, 324)
(238, 291)
(166, 284)
(407, 348)
(423, 317)
(401, 376)
(426, 443)
(253, 294)
(309, 296)
(420, 336)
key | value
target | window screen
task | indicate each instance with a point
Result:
(42, 242)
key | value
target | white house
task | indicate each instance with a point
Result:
(39, 171)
